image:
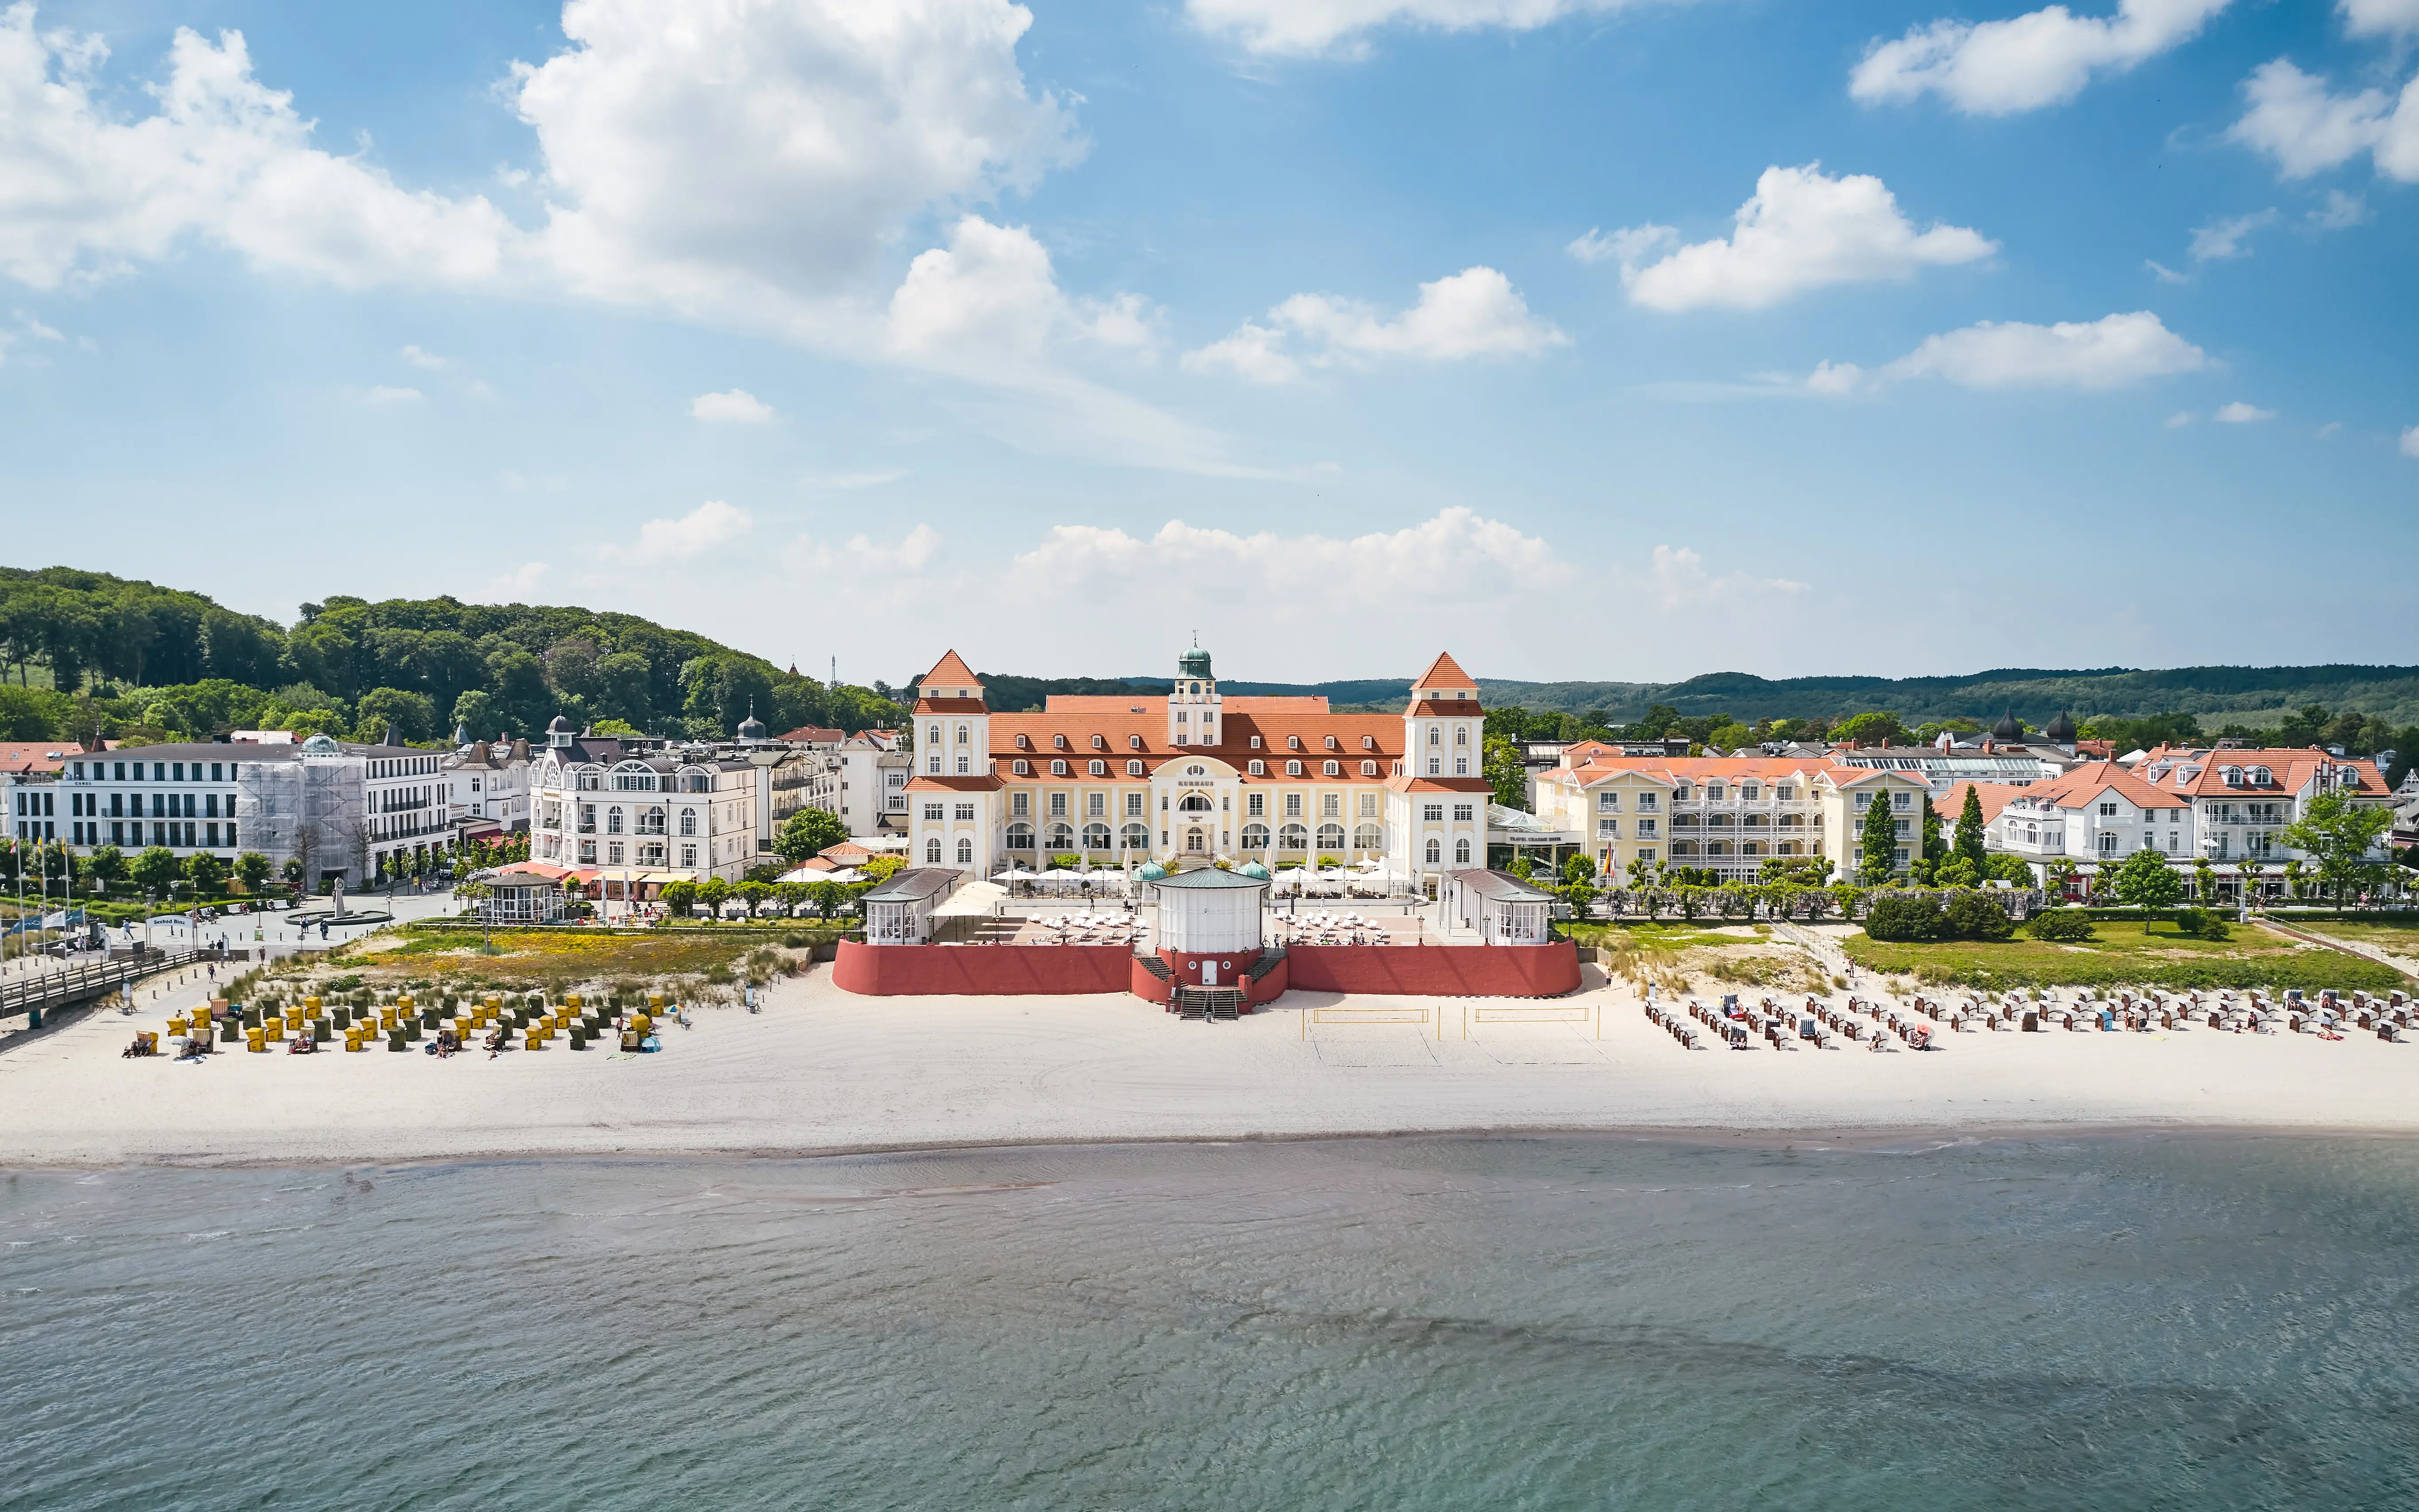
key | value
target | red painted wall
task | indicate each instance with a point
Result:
(983, 970)
(1149, 988)
(1437, 970)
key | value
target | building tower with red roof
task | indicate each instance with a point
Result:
(952, 800)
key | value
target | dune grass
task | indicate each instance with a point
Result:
(2125, 954)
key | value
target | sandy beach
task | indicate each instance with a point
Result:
(820, 1070)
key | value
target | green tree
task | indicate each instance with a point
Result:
(1521, 867)
(1878, 843)
(1731, 736)
(680, 897)
(251, 869)
(2336, 832)
(207, 872)
(808, 833)
(2305, 726)
(714, 892)
(880, 868)
(2146, 881)
(1506, 771)
(476, 712)
(619, 727)
(1878, 727)
(105, 866)
(391, 713)
(1955, 871)
(828, 896)
(153, 870)
(1578, 867)
(1970, 832)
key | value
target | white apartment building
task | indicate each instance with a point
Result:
(642, 819)
(2099, 812)
(2239, 799)
(487, 785)
(872, 793)
(345, 810)
(1728, 814)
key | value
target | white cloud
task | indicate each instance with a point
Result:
(384, 396)
(2181, 419)
(862, 557)
(517, 586)
(420, 359)
(2341, 212)
(2224, 239)
(2411, 441)
(711, 524)
(989, 300)
(2041, 58)
(2106, 353)
(727, 154)
(1631, 244)
(85, 195)
(2327, 431)
(33, 327)
(731, 404)
(2240, 413)
(1474, 313)
(2165, 273)
(1678, 580)
(2379, 18)
(2302, 124)
(1311, 27)
(1836, 378)
(1457, 556)
(1800, 231)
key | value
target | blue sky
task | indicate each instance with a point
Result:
(1583, 339)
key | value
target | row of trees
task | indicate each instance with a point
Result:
(155, 871)
(134, 661)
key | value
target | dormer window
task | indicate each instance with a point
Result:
(1099, 768)
(2260, 776)
(1293, 743)
(1680, 793)
(1057, 769)
(1059, 742)
(1332, 744)
(1256, 744)
(1021, 768)
(1368, 742)
(1293, 768)
(1022, 743)
(1134, 768)
(1332, 768)
(1133, 742)
(2232, 776)
(1257, 768)
(1099, 742)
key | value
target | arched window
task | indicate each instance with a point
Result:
(963, 732)
(1332, 768)
(1256, 837)
(1062, 837)
(1461, 852)
(1436, 734)
(1461, 735)
(1293, 768)
(1193, 803)
(1058, 742)
(1136, 838)
(1021, 768)
(1257, 768)
(1096, 837)
(933, 850)
(1099, 742)
(1713, 791)
(1022, 743)
(613, 821)
(1293, 743)
(1293, 837)
(1099, 768)
(689, 821)
(1019, 837)
(933, 736)
(1368, 768)
(1435, 852)
(1751, 791)
(1330, 837)
(1368, 742)
(1368, 838)
(1332, 745)
(1133, 742)
(1057, 769)
(1134, 768)
(965, 850)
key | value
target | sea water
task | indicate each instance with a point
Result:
(2119, 1322)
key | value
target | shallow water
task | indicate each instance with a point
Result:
(2123, 1322)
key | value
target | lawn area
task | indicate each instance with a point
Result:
(1671, 935)
(2125, 955)
(559, 959)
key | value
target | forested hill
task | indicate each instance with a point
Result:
(154, 662)
(2250, 695)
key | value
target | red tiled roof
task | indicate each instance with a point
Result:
(951, 706)
(815, 735)
(950, 671)
(1994, 797)
(37, 755)
(2085, 783)
(2293, 770)
(1446, 673)
(954, 784)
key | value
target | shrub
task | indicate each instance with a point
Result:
(2062, 926)
(1897, 916)
(1970, 916)
(2201, 922)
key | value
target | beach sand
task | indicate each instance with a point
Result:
(820, 1070)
